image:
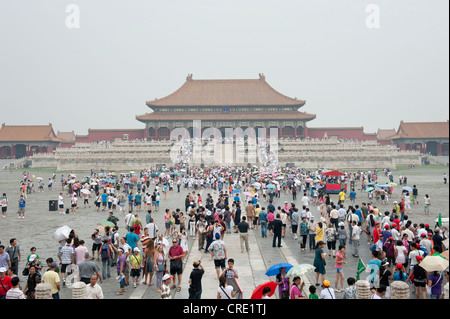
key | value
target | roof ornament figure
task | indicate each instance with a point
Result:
(262, 76)
(189, 77)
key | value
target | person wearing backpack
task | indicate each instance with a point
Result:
(105, 252)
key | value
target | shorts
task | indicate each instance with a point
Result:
(135, 272)
(175, 269)
(419, 284)
(4, 209)
(219, 263)
(96, 247)
(61, 206)
(338, 270)
(21, 210)
(63, 268)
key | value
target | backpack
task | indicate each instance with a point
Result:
(105, 252)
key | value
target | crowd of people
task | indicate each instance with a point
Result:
(238, 199)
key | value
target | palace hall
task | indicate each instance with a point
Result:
(226, 104)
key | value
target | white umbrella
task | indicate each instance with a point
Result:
(434, 263)
(62, 233)
(85, 191)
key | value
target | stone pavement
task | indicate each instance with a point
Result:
(251, 267)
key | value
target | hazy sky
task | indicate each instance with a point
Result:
(127, 52)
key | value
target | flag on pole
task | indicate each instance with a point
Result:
(440, 220)
(361, 268)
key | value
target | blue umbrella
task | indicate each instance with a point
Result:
(235, 191)
(275, 269)
(406, 188)
(270, 186)
(112, 180)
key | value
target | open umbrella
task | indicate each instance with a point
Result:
(407, 188)
(235, 191)
(392, 184)
(300, 270)
(39, 178)
(249, 194)
(106, 223)
(434, 263)
(257, 293)
(62, 233)
(85, 191)
(270, 186)
(257, 185)
(275, 269)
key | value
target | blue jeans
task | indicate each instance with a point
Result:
(106, 268)
(263, 228)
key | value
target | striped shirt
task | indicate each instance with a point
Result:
(15, 293)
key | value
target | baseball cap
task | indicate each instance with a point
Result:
(166, 276)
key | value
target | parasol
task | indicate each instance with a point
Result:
(300, 270)
(275, 269)
(257, 293)
(434, 263)
(407, 188)
(62, 233)
(85, 191)
(106, 223)
(249, 194)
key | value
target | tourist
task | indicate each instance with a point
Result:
(15, 292)
(93, 290)
(165, 287)
(435, 283)
(218, 251)
(331, 237)
(224, 291)
(400, 273)
(380, 292)
(87, 268)
(176, 255)
(277, 227)
(327, 292)
(340, 256)
(350, 291)
(52, 278)
(385, 276)
(319, 262)
(121, 270)
(4, 202)
(33, 279)
(427, 204)
(22, 204)
(312, 292)
(243, 227)
(135, 261)
(195, 280)
(5, 283)
(355, 238)
(296, 289)
(420, 279)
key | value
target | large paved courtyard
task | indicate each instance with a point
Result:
(39, 224)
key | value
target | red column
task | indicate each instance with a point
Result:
(295, 131)
(13, 151)
(280, 132)
(439, 149)
(156, 133)
(305, 131)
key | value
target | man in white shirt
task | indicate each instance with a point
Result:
(93, 290)
(61, 203)
(305, 200)
(152, 229)
(327, 292)
(355, 238)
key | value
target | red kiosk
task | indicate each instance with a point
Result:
(332, 184)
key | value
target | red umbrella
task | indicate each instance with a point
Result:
(333, 173)
(257, 293)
